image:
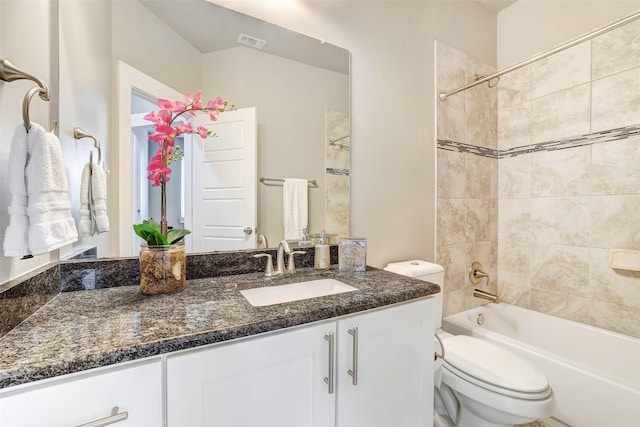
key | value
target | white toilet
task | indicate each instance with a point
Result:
(483, 385)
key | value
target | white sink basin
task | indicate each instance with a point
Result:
(269, 295)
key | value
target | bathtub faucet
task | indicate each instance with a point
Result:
(479, 293)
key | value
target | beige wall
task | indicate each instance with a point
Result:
(31, 51)
(393, 105)
(529, 27)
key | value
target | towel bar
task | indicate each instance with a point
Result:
(280, 181)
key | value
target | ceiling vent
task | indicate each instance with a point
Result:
(250, 41)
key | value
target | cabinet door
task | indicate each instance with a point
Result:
(76, 399)
(393, 367)
(275, 380)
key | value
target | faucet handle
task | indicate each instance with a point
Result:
(268, 271)
(291, 264)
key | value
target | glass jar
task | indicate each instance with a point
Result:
(163, 269)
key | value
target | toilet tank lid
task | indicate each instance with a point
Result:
(414, 268)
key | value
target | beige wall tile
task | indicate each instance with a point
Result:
(564, 70)
(453, 259)
(514, 126)
(515, 88)
(514, 220)
(563, 221)
(453, 302)
(561, 114)
(566, 306)
(451, 119)
(452, 180)
(480, 216)
(614, 222)
(561, 172)
(615, 167)
(615, 100)
(624, 320)
(481, 125)
(610, 285)
(514, 177)
(616, 51)
(561, 269)
(451, 65)
(480, 94)
(480, 173)
(513, 272)
(451, 221)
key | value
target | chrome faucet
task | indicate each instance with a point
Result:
(283, 248)
(475, 275)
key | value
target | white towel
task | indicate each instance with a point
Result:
(99, 198)
(296, 207)
(46, 195)
(93, 201)
(16, 237)
(85, 222)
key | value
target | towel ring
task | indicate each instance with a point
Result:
(25, 105)
(79, 133)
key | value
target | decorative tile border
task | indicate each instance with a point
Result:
(334, 171)
(561, 144)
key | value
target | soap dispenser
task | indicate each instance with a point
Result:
(322, 256)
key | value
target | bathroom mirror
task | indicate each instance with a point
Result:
(299, 87)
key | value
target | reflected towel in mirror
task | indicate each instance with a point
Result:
(296, 207)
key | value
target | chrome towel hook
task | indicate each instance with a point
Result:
(79, 133)
(9, 73)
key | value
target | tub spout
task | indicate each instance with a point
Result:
(479, 293)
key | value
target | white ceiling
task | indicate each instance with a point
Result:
(209, 27)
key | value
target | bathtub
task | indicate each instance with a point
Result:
(594, 373)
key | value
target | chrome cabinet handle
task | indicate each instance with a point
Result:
(115, 417)
(248, 230)
(332, 342)
(354, 372)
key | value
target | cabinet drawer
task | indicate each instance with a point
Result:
(76, 399)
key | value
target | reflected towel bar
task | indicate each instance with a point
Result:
(279, 181)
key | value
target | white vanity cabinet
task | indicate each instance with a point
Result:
(305, 376)
(385, 360)
(135, 388)
(272, 380)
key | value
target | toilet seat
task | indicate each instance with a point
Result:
(493, 368)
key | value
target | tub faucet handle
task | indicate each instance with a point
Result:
(476, 273)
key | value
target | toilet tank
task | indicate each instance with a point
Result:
(423, 270)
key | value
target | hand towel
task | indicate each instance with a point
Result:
(86, 224)
(99, 198)
(16, 238)
(49, 224)
(296, 207)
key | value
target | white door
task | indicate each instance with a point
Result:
(224, 207)
(393, 367)
(271, 381)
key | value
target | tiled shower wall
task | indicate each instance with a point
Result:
(568, 182)
(467, 205)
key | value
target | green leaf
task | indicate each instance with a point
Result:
(175, 235)
(154, 225)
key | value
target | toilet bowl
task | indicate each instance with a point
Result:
(482, 384)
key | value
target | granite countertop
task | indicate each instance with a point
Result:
(87, 329)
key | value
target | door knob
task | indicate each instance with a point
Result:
(248, 230)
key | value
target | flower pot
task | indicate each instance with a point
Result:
(162, 269)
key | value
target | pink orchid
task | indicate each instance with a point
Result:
(203, 132)
(166, 132)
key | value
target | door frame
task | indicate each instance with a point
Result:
(128, 79)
